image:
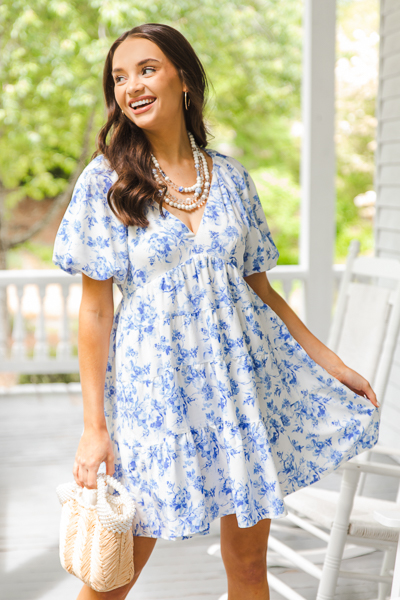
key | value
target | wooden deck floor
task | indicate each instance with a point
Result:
(39, 436)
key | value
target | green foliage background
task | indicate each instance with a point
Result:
(52, 55)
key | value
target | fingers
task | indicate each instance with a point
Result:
(91, 478)
(110, 468)
(85, 472)
(360, 386)
(366, 392)
(85, 476)
(94, 447)
(369, 393)
(76, 474)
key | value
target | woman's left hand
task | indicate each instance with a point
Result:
(356, 383)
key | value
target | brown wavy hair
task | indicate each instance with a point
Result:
(128, 149)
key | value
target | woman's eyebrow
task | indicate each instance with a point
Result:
(139, 64)
(145, 60)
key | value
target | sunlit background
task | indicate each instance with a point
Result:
(52, 55)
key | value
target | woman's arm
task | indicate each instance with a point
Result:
(320, 353)
(96, 315)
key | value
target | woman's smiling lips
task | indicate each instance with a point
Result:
(141, 104)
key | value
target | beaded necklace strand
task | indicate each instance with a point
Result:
(200, 189)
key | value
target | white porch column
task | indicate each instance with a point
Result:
(318, 162)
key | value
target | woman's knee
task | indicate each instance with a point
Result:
(244, 563)
(244, 550)
(251, 570)
(254, 573)
(251, 565)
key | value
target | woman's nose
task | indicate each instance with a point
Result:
(134, 86)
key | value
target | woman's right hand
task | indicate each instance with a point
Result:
(94, 448)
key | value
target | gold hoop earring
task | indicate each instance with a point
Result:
(187, 103)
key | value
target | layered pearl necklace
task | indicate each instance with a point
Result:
(200, 189)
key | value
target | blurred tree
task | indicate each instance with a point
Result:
(280, 197)
(52, 55)
(47, 105)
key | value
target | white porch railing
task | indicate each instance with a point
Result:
(39, 332)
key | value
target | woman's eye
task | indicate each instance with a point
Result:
(118, 78)
(152, 69)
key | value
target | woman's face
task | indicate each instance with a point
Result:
(147, 86)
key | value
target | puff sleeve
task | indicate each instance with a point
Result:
(260, 252)
(91, 239)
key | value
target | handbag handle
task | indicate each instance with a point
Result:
(107, 517)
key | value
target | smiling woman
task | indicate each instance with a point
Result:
(204, 394)
(148, 73)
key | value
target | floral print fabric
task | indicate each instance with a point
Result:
(213, 408)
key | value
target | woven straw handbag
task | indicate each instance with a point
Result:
(96, 540)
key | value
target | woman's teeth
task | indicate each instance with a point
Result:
(141, 103)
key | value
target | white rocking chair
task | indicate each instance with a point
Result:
(364, 333)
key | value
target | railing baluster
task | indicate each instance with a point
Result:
(287, 288)
(18, 335)
(41, 349)
(302, 307)
(64, 348)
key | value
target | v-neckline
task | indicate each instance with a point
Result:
(205, 207)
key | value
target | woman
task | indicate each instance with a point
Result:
(212, 399)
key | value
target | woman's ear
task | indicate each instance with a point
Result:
(185, 87)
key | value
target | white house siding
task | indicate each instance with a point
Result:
(387, 184)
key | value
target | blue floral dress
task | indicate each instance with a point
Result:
(212, 407)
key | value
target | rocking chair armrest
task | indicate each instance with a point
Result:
(388, 518)
(388, 450)
(372, 467)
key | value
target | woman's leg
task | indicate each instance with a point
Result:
(143, 547)
(244, 553)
